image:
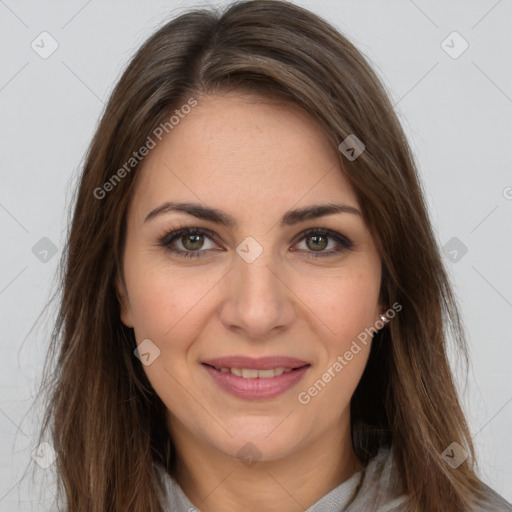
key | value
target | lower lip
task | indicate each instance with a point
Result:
(256, 389)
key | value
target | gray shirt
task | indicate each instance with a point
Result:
(376, 488)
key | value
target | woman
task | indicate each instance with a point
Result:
(254, 311)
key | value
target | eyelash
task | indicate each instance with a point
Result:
(343, 242)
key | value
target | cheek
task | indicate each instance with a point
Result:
(155, 305)
(167, 309)
(153, 294)
(347, 304)
(166, 303)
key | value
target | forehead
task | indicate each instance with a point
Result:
(241, 151)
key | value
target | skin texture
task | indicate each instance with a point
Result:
(255, 161)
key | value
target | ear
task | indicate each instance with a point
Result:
(124, 303)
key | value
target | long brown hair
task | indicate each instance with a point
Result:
(106, 421)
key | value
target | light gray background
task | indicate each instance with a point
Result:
(457, 114)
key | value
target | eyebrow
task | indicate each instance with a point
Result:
(290, 218)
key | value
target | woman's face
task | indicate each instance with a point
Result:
(253, 320)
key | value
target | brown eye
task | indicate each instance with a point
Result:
(317, 242)
(192, 242)
(322, 243)
(189, 242)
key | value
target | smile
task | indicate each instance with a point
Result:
(256, 379)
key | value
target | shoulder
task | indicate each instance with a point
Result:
(492, 502)
(382, 489)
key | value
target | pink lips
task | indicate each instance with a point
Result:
(256, 388)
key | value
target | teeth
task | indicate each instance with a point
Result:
(251, 373)
(264, 374)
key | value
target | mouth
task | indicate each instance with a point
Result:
(253, 379)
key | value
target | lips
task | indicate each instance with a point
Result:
(256, 378)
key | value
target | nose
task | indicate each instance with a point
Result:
(258, 302)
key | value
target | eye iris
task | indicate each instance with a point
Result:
(196, 242)
(319, 242)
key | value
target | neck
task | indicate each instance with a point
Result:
(213, 481)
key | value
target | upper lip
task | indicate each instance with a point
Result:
(259, 363)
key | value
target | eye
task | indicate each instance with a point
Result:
(188, 242)
(316, 241)
(194, 242)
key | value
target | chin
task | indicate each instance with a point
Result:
(264, 439)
